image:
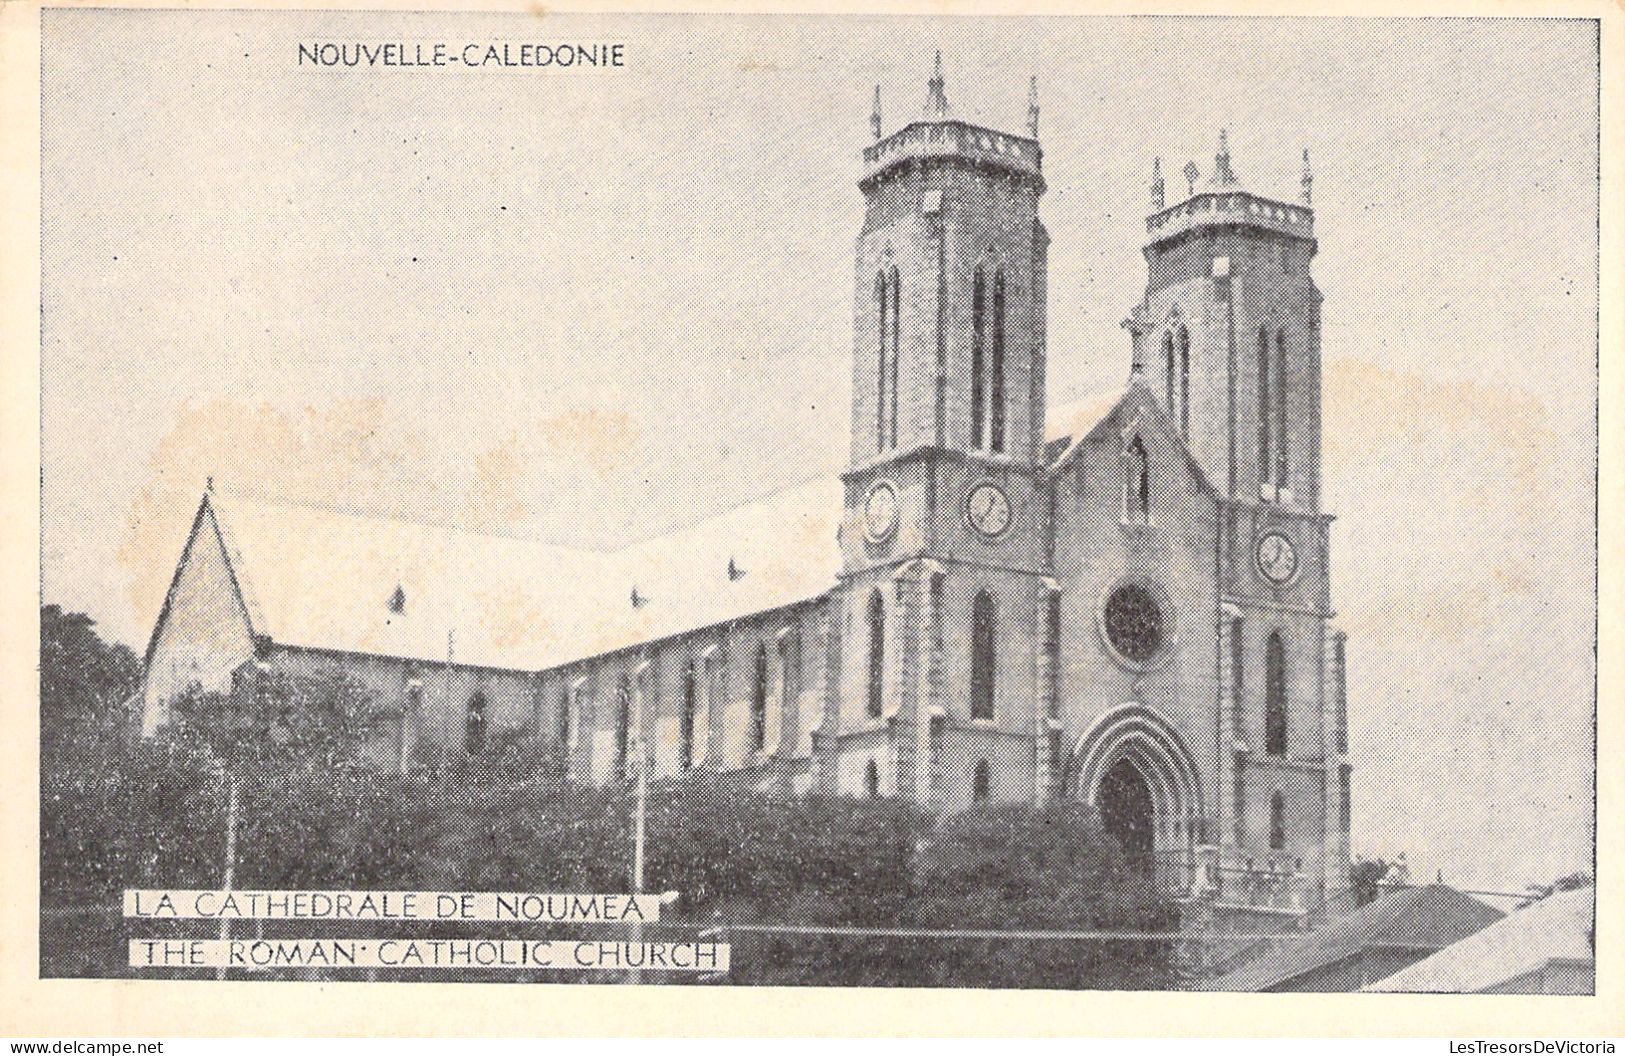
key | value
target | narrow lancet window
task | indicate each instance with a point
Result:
(978, 392)
(1277, 822)
(877, 655)
(691, 695)
(1137, 493)
(981, 783)
(474, 724)
(883, 330)
(895, 344)
(1184, 383)
(1280, 409)
(1265, 408)
(1168, 361)
(984, 656)
(996, 440)
(623, 724)
(758, 701)
(1275, 696)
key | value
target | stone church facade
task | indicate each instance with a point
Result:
(1124, 599)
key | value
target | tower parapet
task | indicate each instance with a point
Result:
(938, 136)
(1224, 202)
(1243, 208)
(955, 140)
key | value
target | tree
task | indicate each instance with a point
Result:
(1571, 882)
(1364, 876)
(281, 722)
(84, 684)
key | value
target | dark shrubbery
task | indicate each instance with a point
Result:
(144, 815)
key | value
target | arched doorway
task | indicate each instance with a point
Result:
(1128, 811)
(1134, 767)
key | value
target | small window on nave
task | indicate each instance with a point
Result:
(623, 723)
(758, 701)
(871, 779)
(981, 783)
(1277, 822)
(474, 724)
(691, 693)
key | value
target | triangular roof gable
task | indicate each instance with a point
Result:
(205, 518)
(1137, 398)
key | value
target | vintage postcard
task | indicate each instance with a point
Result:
(907, 506)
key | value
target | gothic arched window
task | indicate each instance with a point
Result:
(1275, 695)
(758, 701)
(691, 697)
(981, 788)
(1277, 822)
(1168, 360)
(623, 723)
(1280, 409)
(871, 778)
(877, 655)
(896, 344)
(1265, 408)
(996, 441)
(984, 655)
(564, 716)
(883, 332)
(1238, 678)
(474, 724)
(978, 393)
(1184, 382)
(1137, 489)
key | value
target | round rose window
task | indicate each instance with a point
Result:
(1134, 622)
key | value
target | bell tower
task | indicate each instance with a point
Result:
(949, 335)
(1228, 338)
(943, 541)
(1229, 330)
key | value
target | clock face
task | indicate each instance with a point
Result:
(880, 512)
(988, 509)
(1277, 557)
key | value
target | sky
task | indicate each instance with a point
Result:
(594, 305)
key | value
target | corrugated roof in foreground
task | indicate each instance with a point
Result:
(1555, 928)
(1427, 917)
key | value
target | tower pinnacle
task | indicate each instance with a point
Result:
(1308, 180)
(874, 116)
(1032, 107)
(1158, 190)
(936, 100)
(1223, 175)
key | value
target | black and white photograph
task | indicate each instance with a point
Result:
(1066, 502)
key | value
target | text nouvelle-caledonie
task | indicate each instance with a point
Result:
(474, 54)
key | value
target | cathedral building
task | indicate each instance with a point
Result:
(1124, 599)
